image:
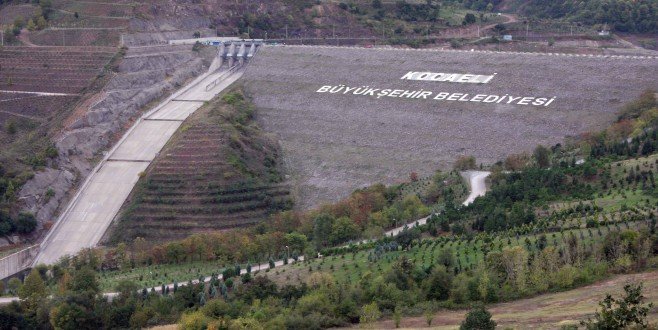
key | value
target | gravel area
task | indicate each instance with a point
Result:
(335, 143)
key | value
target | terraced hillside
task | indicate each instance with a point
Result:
(39, 87)
(218, 172)
(36, 83)
(51, 69)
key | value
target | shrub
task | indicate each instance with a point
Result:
(621, 313)
(478, 318)
(26, 223)
(369, 314)
(10, 126)
(469, 19)
(465, 163)
(193, 321)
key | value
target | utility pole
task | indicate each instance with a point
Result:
(349, 29)
(333, 31)
(286, 31)
(527, 28)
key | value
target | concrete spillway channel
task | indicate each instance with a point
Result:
(85, 220)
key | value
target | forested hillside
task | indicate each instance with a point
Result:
(620, 15)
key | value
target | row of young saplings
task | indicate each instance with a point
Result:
(211, 198)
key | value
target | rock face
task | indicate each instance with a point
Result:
(45, 190)
(144, 76)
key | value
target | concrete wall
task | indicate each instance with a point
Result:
(17, 262)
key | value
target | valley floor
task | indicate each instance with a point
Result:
(547, 311)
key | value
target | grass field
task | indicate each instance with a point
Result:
(548, 311)
(156, 275)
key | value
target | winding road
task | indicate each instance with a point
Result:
(477, 182)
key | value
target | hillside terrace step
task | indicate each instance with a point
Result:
(210, 225)
(199, 190)
(217, 167)
(217, 208)
(217, 139)
(210, 198)
(64, 49)
(169, 218)
(203, 224)
(221, 186)
(226, 186)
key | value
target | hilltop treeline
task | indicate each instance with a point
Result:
(523, 183)
(621, 15)
(257, 302)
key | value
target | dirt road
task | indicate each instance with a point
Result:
(510, 19)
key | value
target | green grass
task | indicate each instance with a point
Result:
(156, 275)
(350, 267)
(418, 187)
(629, 198)
(620, 194)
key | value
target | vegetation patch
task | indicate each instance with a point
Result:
(219, 171)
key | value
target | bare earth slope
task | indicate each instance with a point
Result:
(334, 143)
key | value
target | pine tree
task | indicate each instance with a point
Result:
(33, 291)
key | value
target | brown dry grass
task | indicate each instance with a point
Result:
(548, 311)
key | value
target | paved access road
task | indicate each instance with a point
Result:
(477, 182)
(475, 178)
(89, 214)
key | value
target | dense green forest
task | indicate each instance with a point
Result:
(620, 15)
